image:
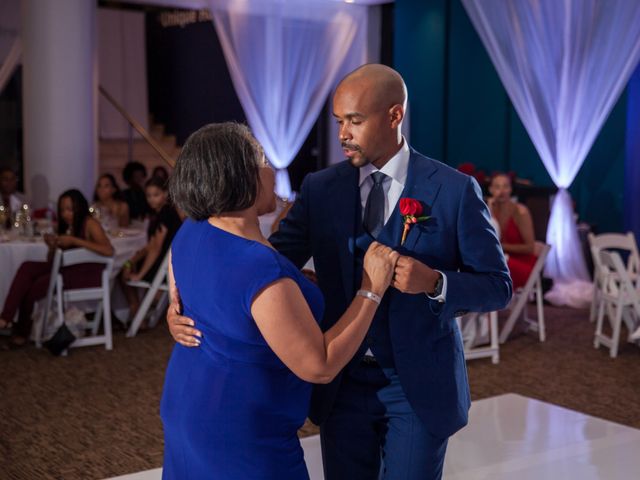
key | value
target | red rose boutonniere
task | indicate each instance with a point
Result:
(411, 211)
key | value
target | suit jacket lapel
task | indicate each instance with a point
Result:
(421, 187)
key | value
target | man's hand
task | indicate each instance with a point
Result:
(181, 328)
(412, 276)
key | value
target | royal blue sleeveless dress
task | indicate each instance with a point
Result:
(230, 408)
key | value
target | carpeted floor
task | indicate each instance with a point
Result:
(94, 414)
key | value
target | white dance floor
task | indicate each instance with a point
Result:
(511, 437)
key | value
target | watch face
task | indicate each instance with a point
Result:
(439, 284)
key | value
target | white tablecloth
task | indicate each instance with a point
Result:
(14, 253)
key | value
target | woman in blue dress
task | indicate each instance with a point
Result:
(231, 408)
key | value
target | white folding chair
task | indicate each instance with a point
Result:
(493, 349)
(41, 325)
(521, 296)
(619, 300)
(159, 283)
(612, 241)
(63, 296)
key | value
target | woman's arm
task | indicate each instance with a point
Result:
(153, 251)
(182, 327)
(96, 240)
(287, 324)
(524, 222)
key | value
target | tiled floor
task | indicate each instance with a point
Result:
(514, 437)
(511, 437)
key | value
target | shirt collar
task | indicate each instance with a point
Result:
(396, 167)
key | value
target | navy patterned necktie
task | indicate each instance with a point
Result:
(374, 209)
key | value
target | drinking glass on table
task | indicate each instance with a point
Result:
(4, 217)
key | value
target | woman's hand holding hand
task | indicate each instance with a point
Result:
(379, 265)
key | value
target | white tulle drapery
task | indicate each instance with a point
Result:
(10, 45)
(563, 63)
(284, 57)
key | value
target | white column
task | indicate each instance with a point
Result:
(59, 97)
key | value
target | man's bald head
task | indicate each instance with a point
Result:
(384, 86)
(369, 106)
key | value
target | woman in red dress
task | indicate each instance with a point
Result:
(516, 227)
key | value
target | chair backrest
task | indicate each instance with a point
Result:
(541, 250)
(76, 256)
(160, 278)
(82, 255)
(57, 259)
(55, 268)
(616, 280)
(615, 241)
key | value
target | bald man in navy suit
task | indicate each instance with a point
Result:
(391, 410)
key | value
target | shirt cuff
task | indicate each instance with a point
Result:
(443, 294)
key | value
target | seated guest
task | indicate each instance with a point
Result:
(76, 229)
(9, 197)
(134, 175)
(163, 224)
(107, 198)
(516, 227)
(160, 172)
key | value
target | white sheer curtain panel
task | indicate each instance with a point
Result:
(563, 63)
(10, 45)
(284, 57)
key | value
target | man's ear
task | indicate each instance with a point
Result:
(396, 114)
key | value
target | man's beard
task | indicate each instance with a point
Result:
(359, 160)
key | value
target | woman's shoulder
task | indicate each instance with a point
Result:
(92, 228)
(266, 267)
(91, 224)
(521, 210)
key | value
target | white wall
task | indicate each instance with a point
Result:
(122, 70)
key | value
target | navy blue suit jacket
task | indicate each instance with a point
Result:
(458, 240)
